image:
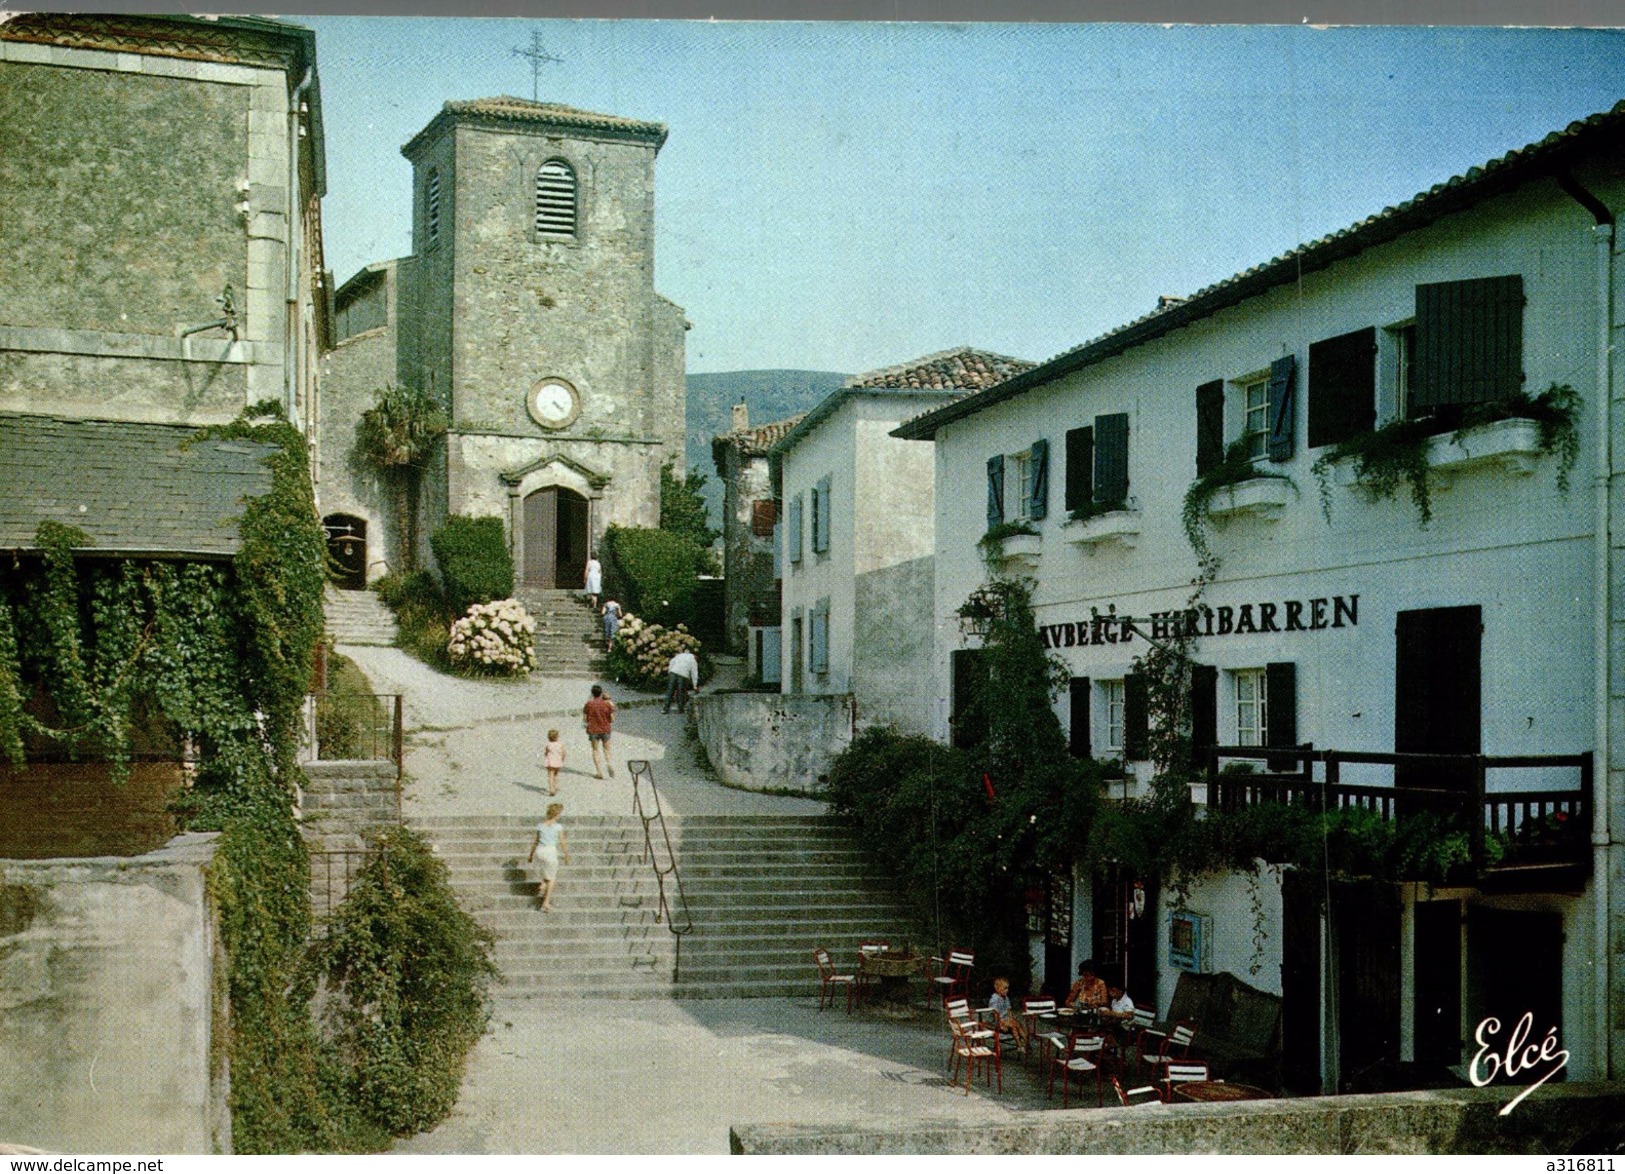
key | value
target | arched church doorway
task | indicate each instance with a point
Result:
(346, 550)
(555, 538)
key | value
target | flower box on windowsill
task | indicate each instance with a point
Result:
(1513, 444)
(1117, 526)
(1020, 552)
(1262, 497)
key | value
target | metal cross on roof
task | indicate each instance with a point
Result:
(538, 57)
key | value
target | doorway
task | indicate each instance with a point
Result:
(1515, 968)
(1365, 926)
(1124, 938)
(346, 551)
(1437, 952)
(556, 522)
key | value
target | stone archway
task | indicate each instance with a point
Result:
(555, 540)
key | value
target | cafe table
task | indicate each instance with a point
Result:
(1214, 1091)
(891, 971)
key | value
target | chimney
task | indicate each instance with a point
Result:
(741, 417)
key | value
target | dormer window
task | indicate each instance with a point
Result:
(555, 199)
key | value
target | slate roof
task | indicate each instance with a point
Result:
(507, 108)
(1551, 156)
(960, 369)
(131, 487)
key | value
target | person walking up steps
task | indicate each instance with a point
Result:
(545, 850)
(682, 675)
(553, 759)
(599, 715)
(594, 575)
(612, 623)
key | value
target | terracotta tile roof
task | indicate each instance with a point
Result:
(960, 369)
(132, 487)
(756, 442)
(1550, 155)
(509, 108)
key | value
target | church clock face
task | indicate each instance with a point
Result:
(553, 403)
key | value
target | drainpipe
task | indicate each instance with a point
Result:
(292, 352)
(1601, 780)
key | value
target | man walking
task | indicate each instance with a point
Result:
(599, 715)
(682, 674)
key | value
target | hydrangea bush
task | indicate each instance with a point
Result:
(641, 651)
(497, 638)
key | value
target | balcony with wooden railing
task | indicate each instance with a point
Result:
(1527, 817)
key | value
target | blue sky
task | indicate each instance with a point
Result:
(844, 196)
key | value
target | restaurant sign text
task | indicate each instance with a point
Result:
(1288, 615)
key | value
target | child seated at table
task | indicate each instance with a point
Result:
(999, 1003)
(1118, 1003)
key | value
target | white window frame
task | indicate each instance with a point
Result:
(1018, 473)
(1397, 364)
(1249, 696)
(1112, 711)
(1257, 438)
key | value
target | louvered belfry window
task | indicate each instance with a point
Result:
(556, 198)
(431, 204)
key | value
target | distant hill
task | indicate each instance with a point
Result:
(770, 395)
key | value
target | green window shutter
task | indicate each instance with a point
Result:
(1111, 457)
(793, 529)
(1136, 718)
(1281, 710)
(1080, 468)
(995, 490)
(821, 517)
(1469, 341)
(818, 660)
(1204, 713)
(1342, 387)
(1038, 506)
(1209, 426)
(1080, 714)
(1283, 408)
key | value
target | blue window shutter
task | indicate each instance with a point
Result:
(821, 526)
(794, 529)
(1111, 458)
(1283, 417)
(1039, 505)
(995, 490)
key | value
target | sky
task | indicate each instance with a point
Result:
(845, 196)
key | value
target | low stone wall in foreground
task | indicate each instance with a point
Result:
(1551, 1121)
(765, 740)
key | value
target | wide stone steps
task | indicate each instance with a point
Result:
(762, 892)
(358, 617)
(569, 635)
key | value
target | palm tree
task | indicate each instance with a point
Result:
(395, 437)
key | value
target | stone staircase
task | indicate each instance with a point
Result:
(762, 891)
(358, 617)
(569, 636)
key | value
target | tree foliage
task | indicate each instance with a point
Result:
(682, 507)
(395, 437)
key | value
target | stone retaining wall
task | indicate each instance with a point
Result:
(759, 740)
(75, 809)
(343, 801)
(113, 1013)
(1554, 1120)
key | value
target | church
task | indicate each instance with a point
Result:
(528, 311)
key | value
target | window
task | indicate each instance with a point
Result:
(792, 535)
(1404, 340)
(1021, 473)
(1097, 464)
(556, 199)
(1080, 468)
(1255, 414)
(431, 205)
(1112, 706)
(763, 515)
(1252, 708)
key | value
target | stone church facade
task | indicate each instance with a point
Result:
(528, 308)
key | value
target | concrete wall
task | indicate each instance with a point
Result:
(1233, 901)
(1552, 1121)
(119, 227)
(757, 740)
(112, 1018)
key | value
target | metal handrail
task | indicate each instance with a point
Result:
(643, 771)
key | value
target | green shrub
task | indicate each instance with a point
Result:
(421, 614)
(475, 565)
(653, 573)
(640, 652)
(349, 716)
(412, 972)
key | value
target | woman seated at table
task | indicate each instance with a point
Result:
(1089, 992)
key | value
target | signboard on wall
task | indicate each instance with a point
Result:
(1189, 941)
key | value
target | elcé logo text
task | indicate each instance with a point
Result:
(1517, 1056)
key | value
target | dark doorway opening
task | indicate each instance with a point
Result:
(1300, 983)
(1124, 936)
(1365, 922)
(1438, 982)
(555, 538)
(1058, 934)
(1515, 968)
(346, 551)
